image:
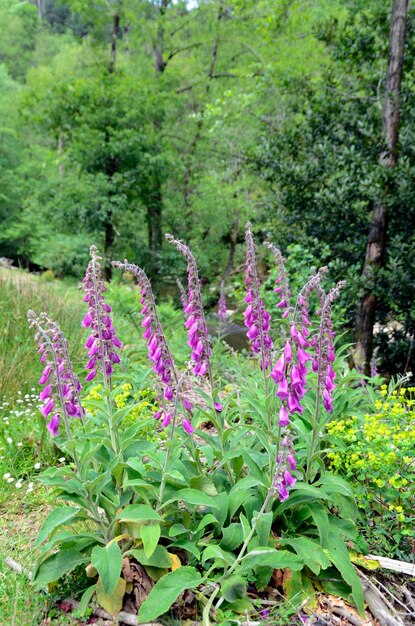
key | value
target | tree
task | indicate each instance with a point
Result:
(376, 244)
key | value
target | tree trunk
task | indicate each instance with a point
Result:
(376, 243)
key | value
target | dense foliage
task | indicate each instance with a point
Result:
(122, 121)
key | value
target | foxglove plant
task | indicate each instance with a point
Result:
(103, 342)
(256, 316)
(158, 349)
(61, 385)
(198, 339)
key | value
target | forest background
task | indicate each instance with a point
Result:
(125, 119)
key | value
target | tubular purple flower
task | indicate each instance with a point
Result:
(188, 427)
(103, 340)
(53, 425)
(198, 331)
(256, 317)
(61, 384)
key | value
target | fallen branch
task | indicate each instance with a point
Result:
(379, 606)
(396, 566)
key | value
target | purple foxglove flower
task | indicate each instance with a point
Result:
(256, 316)
(91, 375)
(289, 479)
(45, 375)
(283, 419)
(288, 352)
(48, 407)
(102, 340)
(198, 333)
(157, 415)
(53, 425)
(166, 419)
(277, 373)
(188, 427)
(187, 405)
(218, 407)
(282, 392)
(46, 393)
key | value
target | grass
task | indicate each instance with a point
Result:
(19, 291)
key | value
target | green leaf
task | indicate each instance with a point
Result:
(150, 535)
(233, 536)
(220, 556)
(57, 565)
(263, 528)
(85, 599)
(204, 484)
(278, 559)
(138, 513)
(319, 514)
(339, 556)
(234, 588)
(189, 546)
(159, 558)
(56, 518)
(113, 602)
(108, 562)
(311, 552)
(166, 591)
(195, 498)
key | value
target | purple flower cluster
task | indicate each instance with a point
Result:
(257, 318)
(197, 330)
(283, 479)
(281, 282)
(222, 311)
(103, 342)
(158, 349)
(324, 346)
(60, 394)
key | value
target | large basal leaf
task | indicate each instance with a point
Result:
(166, 591)
(321, 520)
(57, 565)
(55, 519)
(278, 559)
(339, 556)
(138, 513)
(108, 562)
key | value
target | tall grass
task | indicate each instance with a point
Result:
(19, 291)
